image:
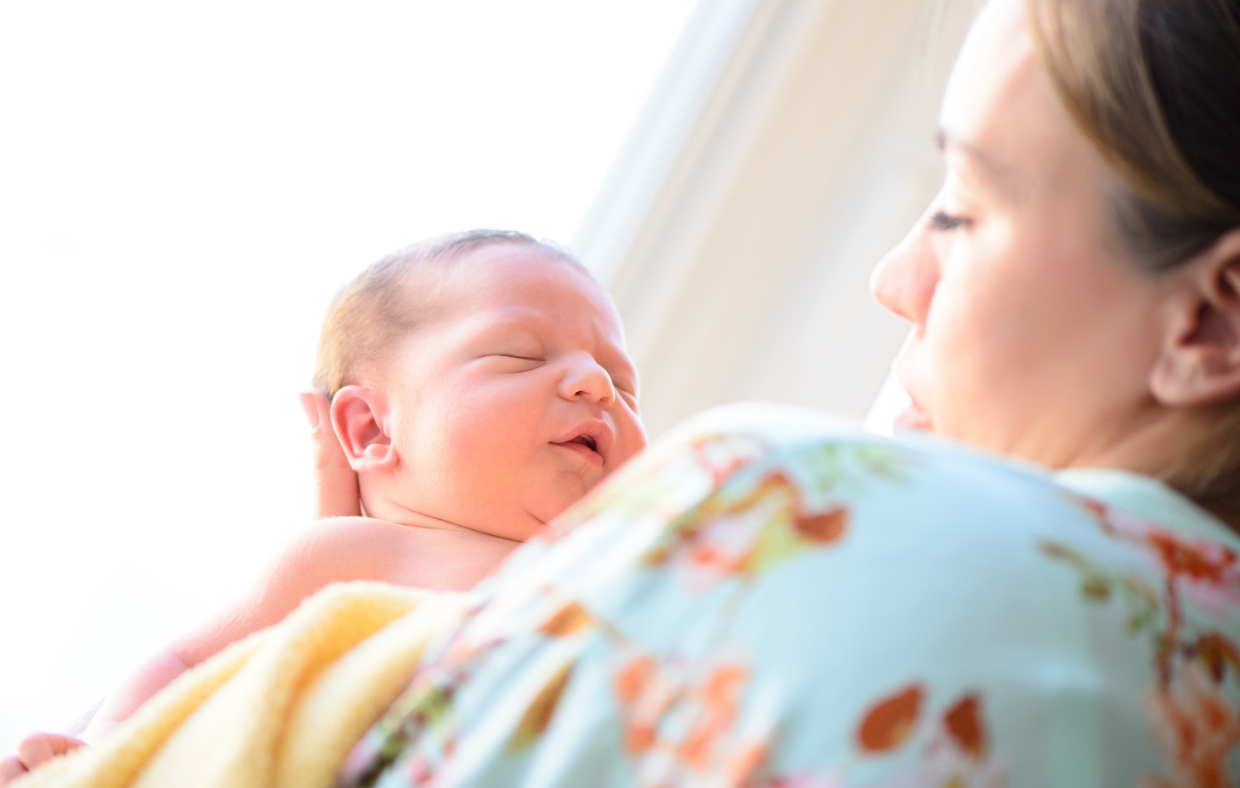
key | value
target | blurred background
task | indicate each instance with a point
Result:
(182, 188)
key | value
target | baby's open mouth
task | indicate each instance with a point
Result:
(587, 441)
(591, 440)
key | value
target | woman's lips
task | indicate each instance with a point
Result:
(912, 418)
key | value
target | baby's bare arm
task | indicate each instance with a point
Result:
(332, 550)
(132, 691)
(329, 551)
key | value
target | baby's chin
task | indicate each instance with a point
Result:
(547, 507)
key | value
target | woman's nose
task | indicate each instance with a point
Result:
(904, 280)
(586, 379)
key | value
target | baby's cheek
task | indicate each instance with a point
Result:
(629, 445)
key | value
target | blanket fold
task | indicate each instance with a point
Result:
(279, 708)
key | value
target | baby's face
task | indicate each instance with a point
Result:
(515, 398)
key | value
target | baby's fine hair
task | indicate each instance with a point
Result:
(372, 312)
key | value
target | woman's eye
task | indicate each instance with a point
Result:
(942, 222)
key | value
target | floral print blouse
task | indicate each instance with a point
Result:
(767, 600)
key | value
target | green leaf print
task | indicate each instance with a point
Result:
(1096, 584)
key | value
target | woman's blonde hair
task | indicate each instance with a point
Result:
(1155, 84)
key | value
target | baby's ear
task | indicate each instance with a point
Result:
(358, 417)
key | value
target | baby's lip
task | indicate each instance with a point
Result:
(592, 435)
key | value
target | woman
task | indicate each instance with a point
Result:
(764, 600)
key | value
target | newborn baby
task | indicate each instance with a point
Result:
(479, 385)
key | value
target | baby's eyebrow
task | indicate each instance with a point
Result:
(511, 321)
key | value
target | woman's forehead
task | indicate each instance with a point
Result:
(1000, 111)
(990, 78)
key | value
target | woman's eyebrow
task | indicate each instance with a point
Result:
(998, 176)
(997, 172)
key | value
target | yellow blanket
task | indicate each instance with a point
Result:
(280, 708)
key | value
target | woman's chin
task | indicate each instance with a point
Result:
(912, 418)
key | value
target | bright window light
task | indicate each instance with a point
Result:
(182, 188)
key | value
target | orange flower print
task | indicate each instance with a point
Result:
(1208, 573)
(665, 481)
(955, 752)
(963, 723)
(742, 535)
(890, 721)
(821, 528)
(566, 621)
(1201, 561)
(681, 722)
(633, 686)
(1193, 722)
(633, 678)
(717, 698)
(722, 455)
(1195, 727)
(1205, 571)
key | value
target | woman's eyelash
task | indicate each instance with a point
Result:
(943, 222)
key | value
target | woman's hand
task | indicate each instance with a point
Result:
(34, 750)
(335, 483)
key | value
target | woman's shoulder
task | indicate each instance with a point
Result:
(861, 598)
(919, 514)
(889, 483)
(919, 477)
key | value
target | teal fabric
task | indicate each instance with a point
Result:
(768, 599)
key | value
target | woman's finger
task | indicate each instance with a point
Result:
(335, 483)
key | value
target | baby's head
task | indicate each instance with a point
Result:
(478, 380)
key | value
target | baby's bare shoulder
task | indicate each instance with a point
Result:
(363, 548)
(356, 542)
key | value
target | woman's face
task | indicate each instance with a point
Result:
(1033, 334)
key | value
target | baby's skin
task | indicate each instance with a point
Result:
(490, 418)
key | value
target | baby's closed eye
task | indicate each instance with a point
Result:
(515, 361)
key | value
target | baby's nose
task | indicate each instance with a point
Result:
(586, 379)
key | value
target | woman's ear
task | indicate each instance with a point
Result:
(358, 419)
(1200, 360)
